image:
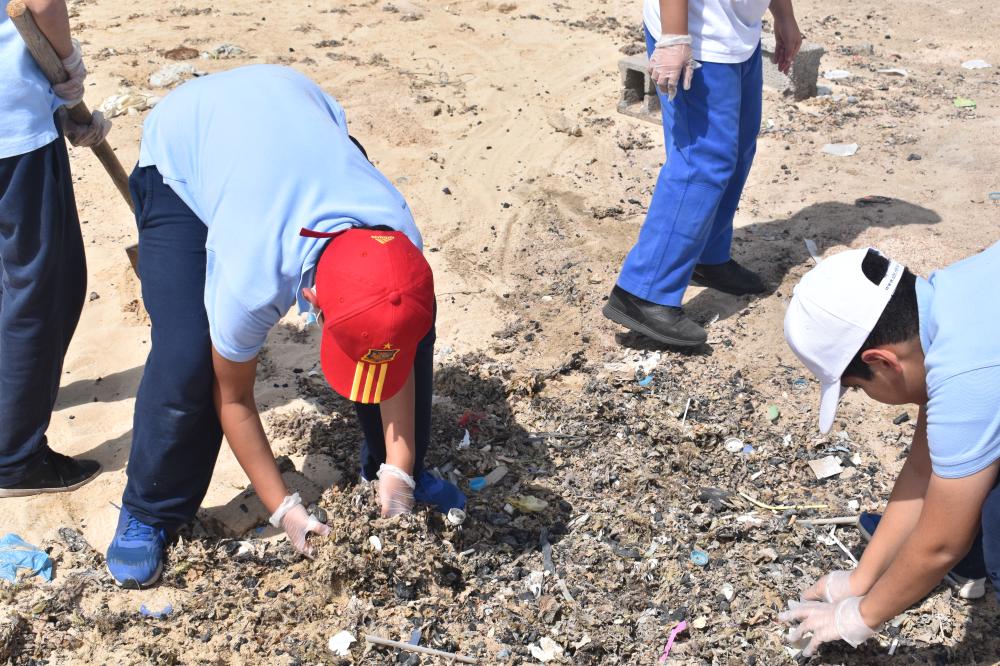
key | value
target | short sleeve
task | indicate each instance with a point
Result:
(237, 333)
(963, 422)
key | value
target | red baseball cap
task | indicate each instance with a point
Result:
(376, 293)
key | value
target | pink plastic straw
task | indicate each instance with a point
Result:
(670, 641)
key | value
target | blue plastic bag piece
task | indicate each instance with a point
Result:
(478, 483)
(646, 381)
(747, 448)
(16, 553)
(159, 615)
(699, 557)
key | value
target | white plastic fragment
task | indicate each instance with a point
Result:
(456, 516)
(728, 591)
(546, 650)
(466, 441)
(836, 74)
(127, 101)
(535, 582)
(840, 149)
(826, 467)
(853, 505)
(340, 644)
(894, 71)
(222, 51)
(376, 543)
(733, 444)
(976, 64)
(172, 74)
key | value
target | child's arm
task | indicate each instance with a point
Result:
(398, 423)
(674, 17)
(787, 37)
(237, 408)
(52, 18)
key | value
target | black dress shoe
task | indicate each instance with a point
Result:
(729, 277)
(662, 323)
(54, 473)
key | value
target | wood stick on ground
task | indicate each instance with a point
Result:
(451, 657)
(51, 65)
(839, 520)
(782, 507)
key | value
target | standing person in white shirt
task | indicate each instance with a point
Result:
(705, 58)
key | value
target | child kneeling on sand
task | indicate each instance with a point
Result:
(250, 195)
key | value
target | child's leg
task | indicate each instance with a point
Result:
(720, 238)
(370, 418)
(176, 434)
(43, 280)
(702, 130)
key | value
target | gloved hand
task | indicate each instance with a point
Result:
(85, 136)
(395, 490)
(826, 622)
(671, 60)
(292, 517)
(831, 588)
(71, 89)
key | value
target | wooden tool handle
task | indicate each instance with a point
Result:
(51, 65)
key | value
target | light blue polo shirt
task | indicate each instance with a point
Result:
(960, 334)
(258, 153)
(26, 98)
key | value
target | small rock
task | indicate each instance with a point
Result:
(913, 157)
(94, 296)
(901, 419)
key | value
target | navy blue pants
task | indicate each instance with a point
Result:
(710, 133)
(176, 433)
(43, 281)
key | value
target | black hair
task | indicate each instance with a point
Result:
(900, 321)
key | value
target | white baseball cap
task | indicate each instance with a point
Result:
(833, 310)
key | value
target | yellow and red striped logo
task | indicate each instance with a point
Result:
(369, 375)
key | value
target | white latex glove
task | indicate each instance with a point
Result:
(85, 136)
(831, 588)
(826, 622)
(71, 89)
(672, 63)
(292, 517)
(395, 490)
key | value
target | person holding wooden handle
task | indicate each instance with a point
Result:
(43, 271)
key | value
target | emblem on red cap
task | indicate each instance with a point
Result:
(383, 239)
(384, 355)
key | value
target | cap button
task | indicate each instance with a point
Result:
(395, 298)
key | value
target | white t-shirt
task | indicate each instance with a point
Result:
(721, 30)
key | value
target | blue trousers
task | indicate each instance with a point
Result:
(43, 280)
(176, 433)
(983, 558)
(710, 133)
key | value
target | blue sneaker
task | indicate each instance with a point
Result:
(442, 495)
(135, 556)
(966, 588)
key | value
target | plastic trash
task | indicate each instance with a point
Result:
(496, 475)
(840, 149)
(836, 74)
(894, 71)
(773, 413)
(477, 483)
(528, 503)
(546, 650)
(17, 554)
(964, 103)
(466, 441)
(699, 557)
(456, 516)
(376, 543)
(976, 64)
(156, 614)
(127, 101)
(681, 626)
(340, 644)
(733, 444)
(646, 381)
(813, 250)
(173, 74)
(826, 467)
(223, 51)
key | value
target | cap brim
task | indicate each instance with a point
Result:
(830, 396)
(360, 381)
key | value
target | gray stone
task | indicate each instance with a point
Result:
(638, 92)
(805, 69)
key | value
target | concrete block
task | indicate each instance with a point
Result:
(805, 69)
(245, 511)
(638, 92)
